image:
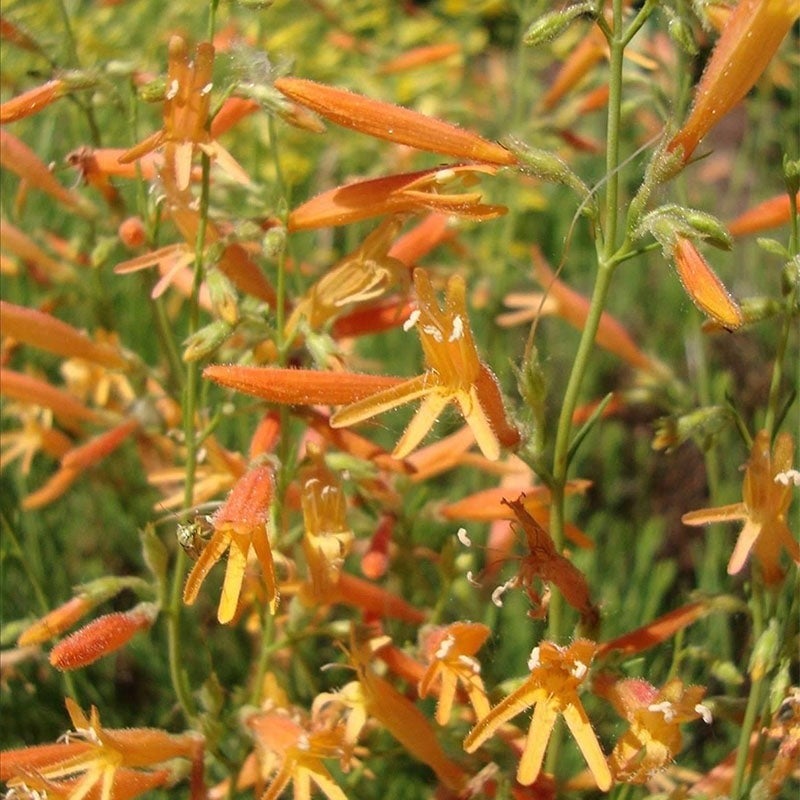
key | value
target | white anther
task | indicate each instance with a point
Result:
(458, 328)
(412, 320)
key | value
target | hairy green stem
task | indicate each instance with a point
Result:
(191, 391)
(606, 265)
(789, 325)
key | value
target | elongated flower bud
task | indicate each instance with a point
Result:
(101, 637)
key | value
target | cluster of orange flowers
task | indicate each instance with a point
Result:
(374, 288)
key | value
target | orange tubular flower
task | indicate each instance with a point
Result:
(32, 101)
(454, 374)
(45, 331)
(552, 687)
(16, 242)
(361, 277)
(703, 286)
(186, 109)
(104, 755)
(295, 754)
(409, 192)
(655, 632)
(79, 459)
(590, 51)
(451, 652)
(400, 717)
(19, 158)
(771, 213)
(655, 716)
(307, 387)
(240, 525)
(393, 123)
(102, 636)
(57, 620)
(751, 37)
(766, 496)
(573, 307)
(419, 57)
(328, 538)
(66, 408)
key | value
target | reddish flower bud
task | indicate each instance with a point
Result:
(101, 637)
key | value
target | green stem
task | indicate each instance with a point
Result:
(191, 442)
(606, 265)
(72, 49)
(789, 324)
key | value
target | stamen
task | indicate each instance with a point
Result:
(579, 670)
(172, 89)
(412, 320)
(666, 708)
(791, 476)
(704, 712)
(534, 659)
(463, 537)
(458, 328)
(445, 647)
(433, 332)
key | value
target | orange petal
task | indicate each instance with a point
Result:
(391, 122)
(96, 449)
(771, 213)
(32, 101)
(654, 632)
(37, 392)
(15, 241)
(418, 57)
(391, 194)
(300, 386)
(751, 37)
(45, 331)
(19, 158)
(703, 286)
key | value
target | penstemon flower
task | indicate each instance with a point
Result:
(186, 109)
(750, 38)
(655, 716)
(454, 374)
(240, 526)
(451, 652)
(552, 687)
(97, 757)
(767, 490)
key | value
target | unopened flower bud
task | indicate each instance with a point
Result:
(131, 232)
(681, 34)
(101, 637)
(765, 653)
(274, 242)
(549, 26)
(205, 341)
(791, 175)
(56, 621)
(551, 168)
(78, 79)
(223, 296)
(153, 91)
